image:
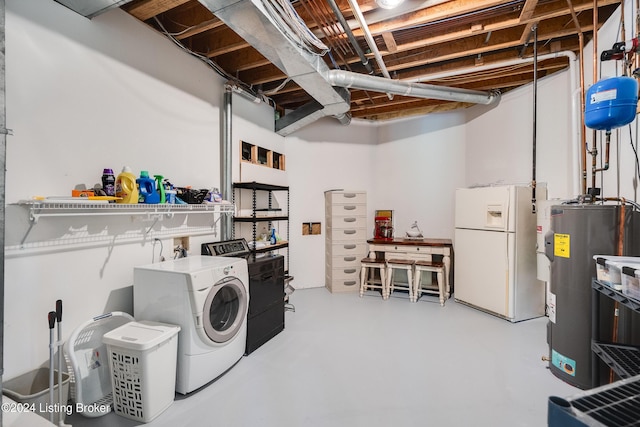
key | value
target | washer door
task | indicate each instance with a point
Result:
(225, 310)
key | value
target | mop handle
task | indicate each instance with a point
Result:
(52, 322)
(59, 320)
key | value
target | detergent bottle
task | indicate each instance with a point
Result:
(147, 189)
(160, 187)
(126, 187)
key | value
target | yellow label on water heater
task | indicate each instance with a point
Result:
(562, 245)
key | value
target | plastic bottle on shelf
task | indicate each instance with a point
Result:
(160, 188)
(170, 193)
(126, 187)
(108, 182)
(147, 189)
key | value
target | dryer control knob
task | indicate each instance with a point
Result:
(226, 270)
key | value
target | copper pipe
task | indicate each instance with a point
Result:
(594, 149)
(583, 129)
(637, 57)
(595, 41)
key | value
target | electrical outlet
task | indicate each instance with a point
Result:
(181, 241)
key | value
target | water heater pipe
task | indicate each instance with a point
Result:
(535, 116)
(594, 149)
(582, 129)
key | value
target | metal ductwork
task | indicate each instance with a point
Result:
(250, 20)
(91, 8)
(348, 79)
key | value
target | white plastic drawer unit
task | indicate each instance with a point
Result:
(345, 239)
(341, 261)
(346, 221)
(347, 248)
(349, 210)
(350, 234)
(347, 197)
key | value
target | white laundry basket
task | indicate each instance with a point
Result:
(88, 365)
(142, 359)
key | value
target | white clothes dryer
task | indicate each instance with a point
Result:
(208, 297)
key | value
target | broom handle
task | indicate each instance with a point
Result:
(52, 322)
(59, 320)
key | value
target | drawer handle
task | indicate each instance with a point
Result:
(350, 283)
(349, 231)
(349, 246)
(349, 219)
(349, 258)
(349, 208)
(349, 195)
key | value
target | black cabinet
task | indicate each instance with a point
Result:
(266, 300)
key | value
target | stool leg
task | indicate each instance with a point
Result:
(412, 294)
(363, 279)
(388, 282)
(440, 278)
(383, 283)
(416, 283)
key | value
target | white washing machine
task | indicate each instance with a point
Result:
(208, 297)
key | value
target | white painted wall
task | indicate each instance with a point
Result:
(499, 141)
(419, 163)
(324, 156)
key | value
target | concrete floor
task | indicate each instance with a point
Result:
(343, 360)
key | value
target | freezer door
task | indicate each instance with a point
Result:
(484, 270)
(485, 208)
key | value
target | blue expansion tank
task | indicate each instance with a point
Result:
(611, 103)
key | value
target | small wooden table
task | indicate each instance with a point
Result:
(415, 249)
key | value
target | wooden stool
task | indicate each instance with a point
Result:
(400, 264)
(434, 267)
(369, 265)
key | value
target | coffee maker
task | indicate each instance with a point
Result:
(383, 226)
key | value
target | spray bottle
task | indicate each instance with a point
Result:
(160, 187)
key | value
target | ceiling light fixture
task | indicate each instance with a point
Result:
(389, 4)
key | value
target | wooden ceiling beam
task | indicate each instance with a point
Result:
(242, 60)
(431, 14)
(455, 50)
(145, 9)
(527, 10)
(203, 27)
(543, 13)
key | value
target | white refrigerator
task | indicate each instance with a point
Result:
(495, 251)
